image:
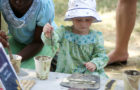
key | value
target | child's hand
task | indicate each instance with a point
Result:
(90, 66)
(48, 29)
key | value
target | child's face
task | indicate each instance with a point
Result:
(82, 23)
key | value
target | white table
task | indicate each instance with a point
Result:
(54, 80)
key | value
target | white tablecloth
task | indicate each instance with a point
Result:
(54, 80)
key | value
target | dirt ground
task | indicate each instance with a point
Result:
(133, 60)
(107, 26)
(133, 49)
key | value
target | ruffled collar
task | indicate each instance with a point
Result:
(80, 39)
(15, 21)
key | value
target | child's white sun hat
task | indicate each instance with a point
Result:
(82, 8)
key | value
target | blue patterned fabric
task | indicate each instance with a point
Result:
(80, 39)
(75, 50)
(22, 29)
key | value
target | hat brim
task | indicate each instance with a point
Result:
(82, 13)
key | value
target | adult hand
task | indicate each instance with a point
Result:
(48, 29)
(90, 66)
(4, 38)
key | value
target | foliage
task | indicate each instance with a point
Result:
(103, 6)
(106, 5)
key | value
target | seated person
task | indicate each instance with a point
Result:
(81, 50)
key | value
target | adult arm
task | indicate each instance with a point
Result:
(34, 47)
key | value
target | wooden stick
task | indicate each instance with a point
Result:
(51, 36)
(10, 52)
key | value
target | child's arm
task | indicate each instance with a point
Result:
(56, 37)
(90, 66)
(99, 57)
(48, 38)
(48, 30)
(49, 33)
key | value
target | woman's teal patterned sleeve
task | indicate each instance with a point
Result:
(99, 56)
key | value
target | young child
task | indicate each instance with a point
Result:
(81, 50)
